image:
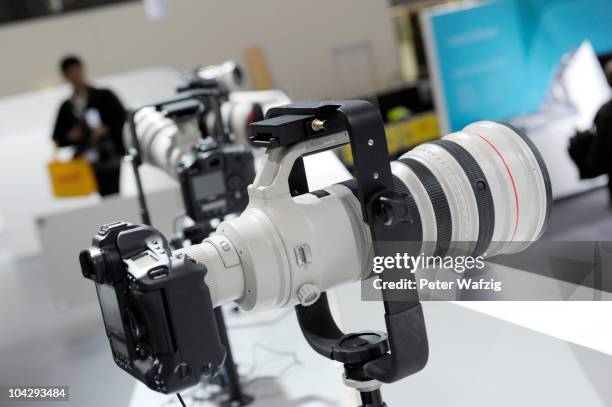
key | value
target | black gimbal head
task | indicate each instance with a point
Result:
(369, 357)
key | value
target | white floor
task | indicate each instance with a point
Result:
(475, 359)
(277, 365)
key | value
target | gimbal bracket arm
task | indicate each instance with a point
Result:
(279, 162)
(298, 122)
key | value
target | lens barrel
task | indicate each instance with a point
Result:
(482, 191)
(478, 192)
(485, 190)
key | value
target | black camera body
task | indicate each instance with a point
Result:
(214, 179)
(156, 307)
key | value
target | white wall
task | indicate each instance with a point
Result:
(300, 39)
(315, 49)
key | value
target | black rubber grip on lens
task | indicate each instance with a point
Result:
(482, 193)
(352, 185)
(416, 232)
(442, 212)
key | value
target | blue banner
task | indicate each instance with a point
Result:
(496, 60)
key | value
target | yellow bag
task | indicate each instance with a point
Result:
(72, 178)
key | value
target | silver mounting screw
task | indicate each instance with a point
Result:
(317, 125)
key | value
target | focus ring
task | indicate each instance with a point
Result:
(442, 213)
(482, 193)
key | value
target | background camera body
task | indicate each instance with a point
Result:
(227, 76)
(156, 307)
(214, 179)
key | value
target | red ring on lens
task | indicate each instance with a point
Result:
(516, 200)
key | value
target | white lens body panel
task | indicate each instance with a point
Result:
(226, 280)
(236, 112)
(509, 165)
(265, 267)
(269, 240)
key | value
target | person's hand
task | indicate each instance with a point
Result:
(99, 132)
(75, 133)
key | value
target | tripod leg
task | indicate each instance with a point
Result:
(142, 202)
(372, 399)
(236, 396)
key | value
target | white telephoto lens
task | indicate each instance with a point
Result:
(484, 189)
(244, 108)
(485, 186)
(162, 141)
(228, 74)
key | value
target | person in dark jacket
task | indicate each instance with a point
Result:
(91, 121)
(603, 128)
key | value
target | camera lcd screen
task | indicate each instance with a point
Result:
(110, 308)
(208, 185)
(145, 260)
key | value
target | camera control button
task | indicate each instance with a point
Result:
(308, 294)
(183, 371)
(226, 250)
(133, 325)
(105, 229)
(235, 182)
(159, 272)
